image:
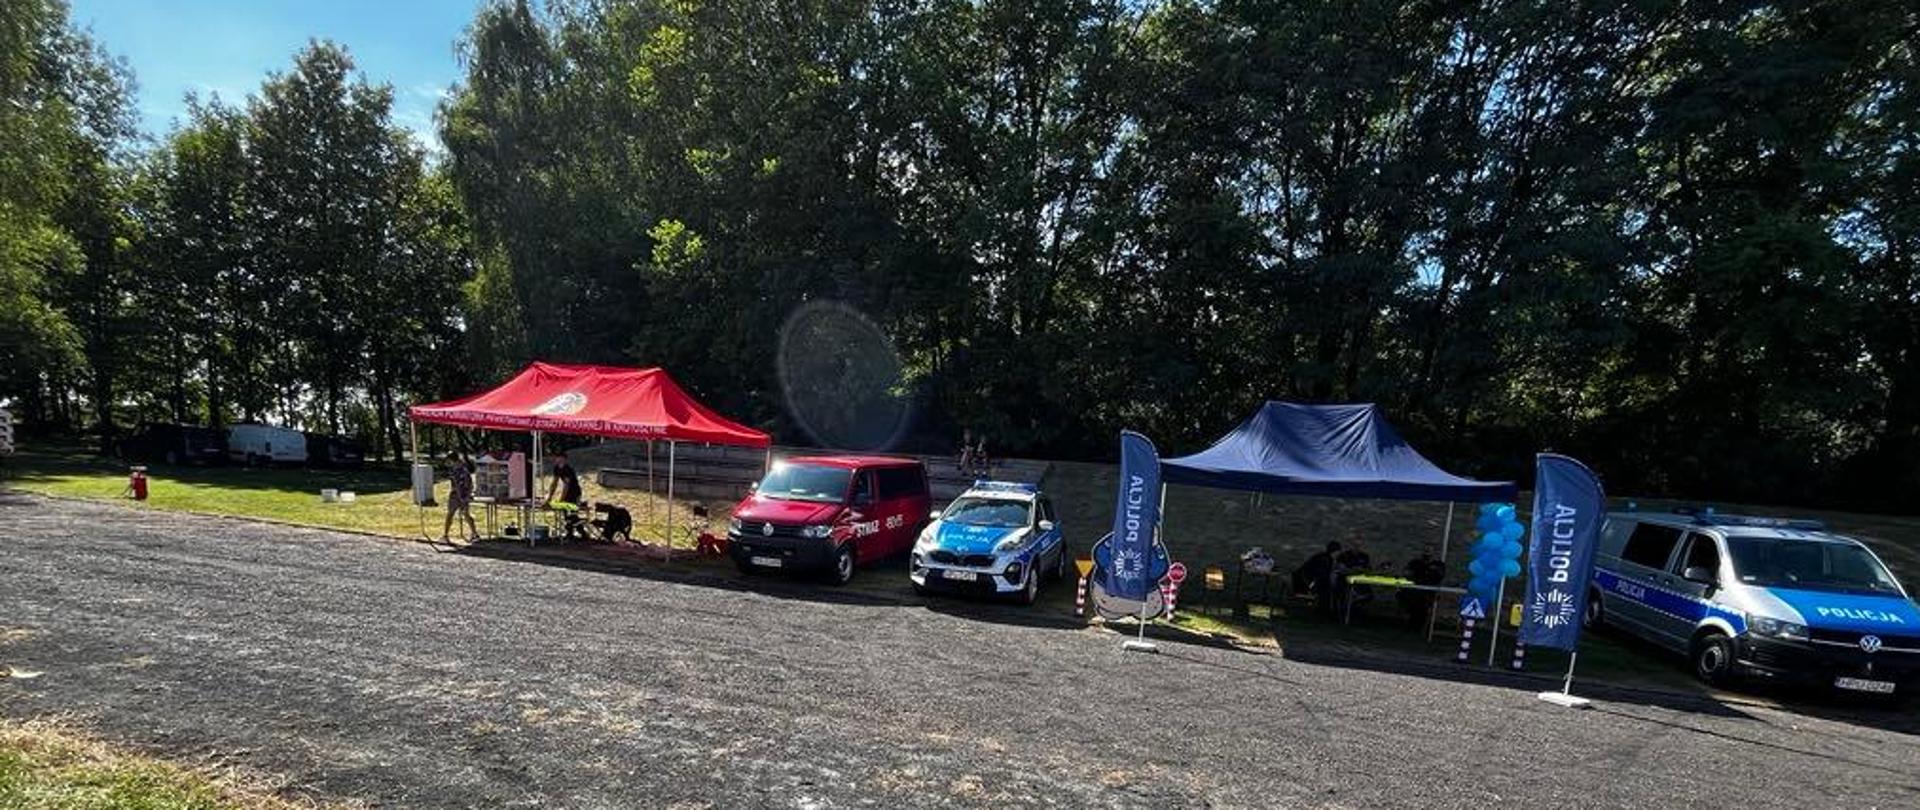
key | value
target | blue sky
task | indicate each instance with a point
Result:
(228, 47)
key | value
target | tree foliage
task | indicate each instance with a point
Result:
(1675, 239)
(293, 260)
(1670, 237)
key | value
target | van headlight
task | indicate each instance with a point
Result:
(733, 525)
(1776, 628)
(816, 531)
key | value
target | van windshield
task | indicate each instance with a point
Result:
(999, 513)
(806, 482)
(1813, 565)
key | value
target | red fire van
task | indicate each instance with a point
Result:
(829, 513)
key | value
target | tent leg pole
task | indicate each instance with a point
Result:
(1160, 537)
(539, 473)
(1446, 535)
(413, 441)
(671, 445)
(651, 515)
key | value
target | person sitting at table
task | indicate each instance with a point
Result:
(1353, 559)
(568, 483)
(460, 497)
(1315, 576)
(1423, 570)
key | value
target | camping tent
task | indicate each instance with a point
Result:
(621, 403)
(1342, 451)
(1347, 451)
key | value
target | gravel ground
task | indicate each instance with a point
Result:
(392, 674)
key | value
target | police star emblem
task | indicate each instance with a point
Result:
(1129, 564)
(1553, 608)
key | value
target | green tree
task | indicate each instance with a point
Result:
(323, 198)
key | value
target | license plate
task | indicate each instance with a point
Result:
(1860, 685)
(766, 562)
(960, 576)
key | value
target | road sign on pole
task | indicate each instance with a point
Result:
(1473, 609)
(1177, 572)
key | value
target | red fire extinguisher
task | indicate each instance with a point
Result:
(137, 484)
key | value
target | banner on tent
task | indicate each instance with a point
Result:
(1568, 508)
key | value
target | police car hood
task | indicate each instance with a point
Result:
(1847, 612)
(962, 538)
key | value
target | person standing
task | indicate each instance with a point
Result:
(567, 482)
(965, 460)
(460, 498)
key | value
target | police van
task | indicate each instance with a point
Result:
(1761, 598)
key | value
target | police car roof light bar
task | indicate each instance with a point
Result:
(1803, 524)
(1009, 486)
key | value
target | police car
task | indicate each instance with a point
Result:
(997, 538)
(1763, 598)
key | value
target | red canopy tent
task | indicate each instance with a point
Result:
(621, 403)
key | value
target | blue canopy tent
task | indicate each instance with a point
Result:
(1342, 451)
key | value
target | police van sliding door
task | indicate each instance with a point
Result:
(1643, 590)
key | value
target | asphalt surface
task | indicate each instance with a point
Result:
(391, 674)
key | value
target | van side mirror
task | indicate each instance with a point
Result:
(1046, 525)
(753, 487)
(1698, 573)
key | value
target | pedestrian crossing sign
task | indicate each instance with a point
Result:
(1472, 609)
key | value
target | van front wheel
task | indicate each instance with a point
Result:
(842, 571)
(1595, 617)
(1713, 659)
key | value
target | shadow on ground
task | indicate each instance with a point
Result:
(882, 583)
(1616, 670)
(1546, 671)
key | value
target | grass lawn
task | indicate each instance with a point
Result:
(383, 502)
(46, 765)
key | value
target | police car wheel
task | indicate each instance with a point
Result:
(1060, 563)
(842, 571)
(1030, 592)
(1595, 617)
(1713, 659)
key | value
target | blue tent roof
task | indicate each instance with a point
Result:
(1347, 451)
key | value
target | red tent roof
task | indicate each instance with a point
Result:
(624, 403)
